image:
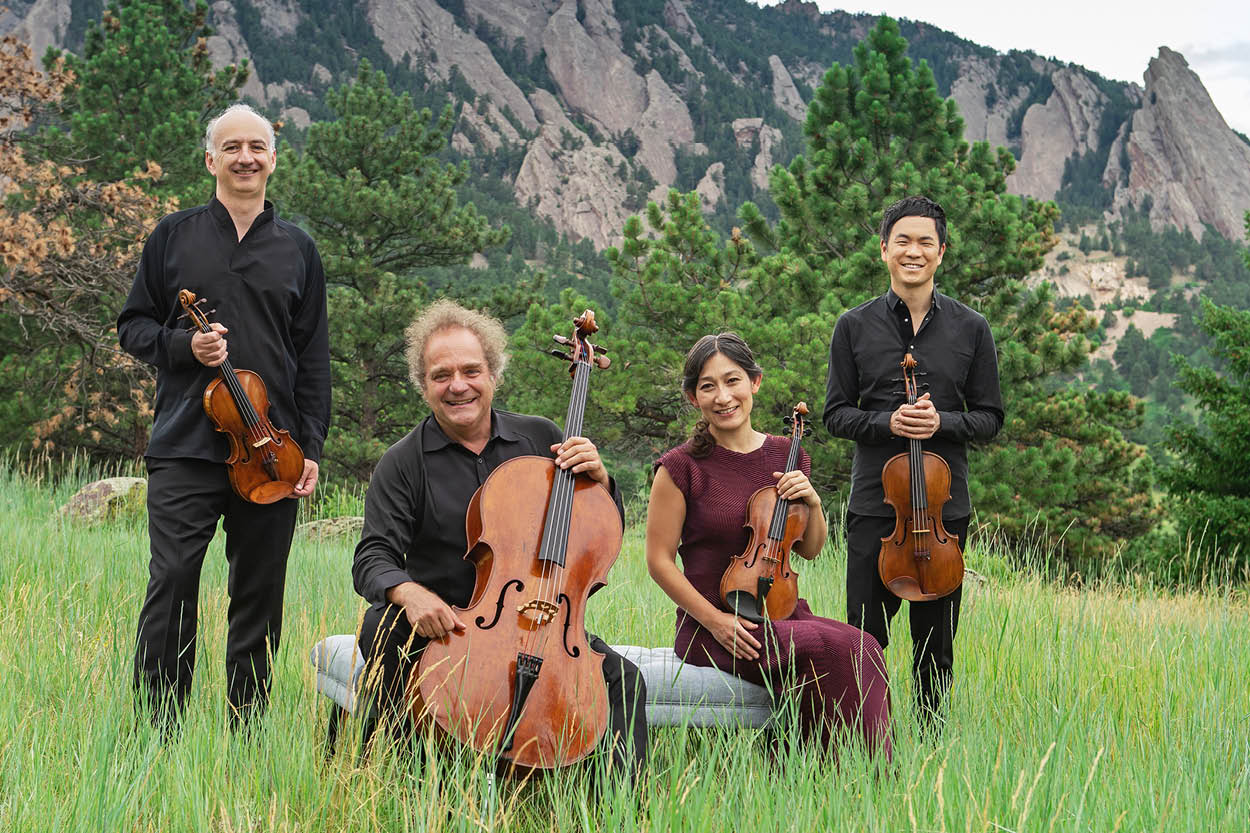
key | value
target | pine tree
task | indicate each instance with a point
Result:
(143, 92)
(1209, 493)
(80, 198)
(372, 191)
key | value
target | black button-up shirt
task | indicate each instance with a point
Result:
(417, 500)
(953, 348)
(269, 292)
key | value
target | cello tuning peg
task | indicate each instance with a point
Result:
(602, 362)
(560, 355)
(559, 339)
(599, 349)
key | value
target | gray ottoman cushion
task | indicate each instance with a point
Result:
(338, 662)
(678, 694)
(681, 694)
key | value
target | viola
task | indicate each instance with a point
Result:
(920, 561)
(264, 463)
(761, 583)
(521, 682)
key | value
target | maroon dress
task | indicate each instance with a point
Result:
(836, 670)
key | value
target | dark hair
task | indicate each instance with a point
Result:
(914, 207)
(732, 347)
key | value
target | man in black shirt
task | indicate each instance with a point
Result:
(410, 561)
(865, 402)
(264, 277)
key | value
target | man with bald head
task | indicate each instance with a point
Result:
(263, 276)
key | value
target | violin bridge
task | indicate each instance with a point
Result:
(544, 611)
(261, 442)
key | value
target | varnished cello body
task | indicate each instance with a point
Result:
(264, 463)
(919, 561)
(762, 583)
(521, 681)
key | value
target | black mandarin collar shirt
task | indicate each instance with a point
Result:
(268, 290)
(953, 348)
(418, 498)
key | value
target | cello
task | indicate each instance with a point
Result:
(919, 561)
(521, 681)
(761, 583)
(264, 463)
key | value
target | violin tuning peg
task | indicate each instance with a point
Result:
(559, 355)
(559, 339)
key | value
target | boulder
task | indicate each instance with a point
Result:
(103, 500)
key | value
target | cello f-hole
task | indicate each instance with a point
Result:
(480, 621)
(573, 651)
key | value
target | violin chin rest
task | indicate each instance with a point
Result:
(741, 603)
(271, 492)
(906, 587)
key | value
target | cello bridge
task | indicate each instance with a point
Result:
(543, 610)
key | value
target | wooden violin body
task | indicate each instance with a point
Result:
(264, 463)
(761, 583)
(919, 561)
(521, 681)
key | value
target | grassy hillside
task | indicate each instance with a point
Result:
(1103, 709)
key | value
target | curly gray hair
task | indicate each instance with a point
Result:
(445, 314)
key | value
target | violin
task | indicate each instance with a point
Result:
(264, 463)
(521, 682)
(920, 561)
(761, 583)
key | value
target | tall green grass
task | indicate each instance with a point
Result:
(1112, 707)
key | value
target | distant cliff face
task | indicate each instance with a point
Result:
(614, 105)
(1183, 155)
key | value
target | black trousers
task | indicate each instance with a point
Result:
(391, 650)
(185, 500)
(871, 606)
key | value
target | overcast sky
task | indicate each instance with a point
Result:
(1114, 38)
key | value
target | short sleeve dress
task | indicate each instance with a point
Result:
(836, 670)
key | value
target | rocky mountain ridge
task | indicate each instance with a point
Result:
(603, 104)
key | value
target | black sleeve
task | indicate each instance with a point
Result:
(983, 400)
(842, 414)
(311, 336)
(395, 498)
(140, 325)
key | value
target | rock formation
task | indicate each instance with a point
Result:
(570, 180)
(983, 123)
(785, 94)
(228, 46)
(1065, 126)
(1183, 155)
(677, 16)
(42, 26)
(422, 28)
(711, 187)
(754, 133)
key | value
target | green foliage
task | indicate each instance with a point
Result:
(380, 205)
(878, 130)
(144, 91)
(1206, 481)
